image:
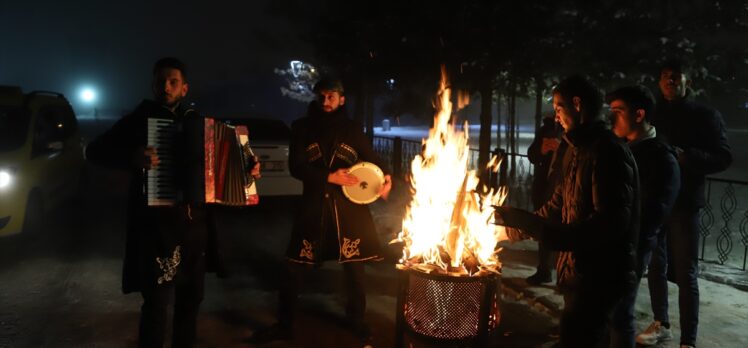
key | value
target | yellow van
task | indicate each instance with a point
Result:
(41, 157)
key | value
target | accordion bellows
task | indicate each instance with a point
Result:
(227, 158)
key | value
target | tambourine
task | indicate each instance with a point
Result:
(370, 181)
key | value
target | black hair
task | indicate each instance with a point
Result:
(590, 96)
(170, 63)
(329, 83)
(677, 66)
(636, 97)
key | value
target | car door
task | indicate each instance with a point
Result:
(47, 154)
(72, 153)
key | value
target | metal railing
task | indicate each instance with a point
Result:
(723, 233)
(516, 171)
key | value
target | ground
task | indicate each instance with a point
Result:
(61, 288)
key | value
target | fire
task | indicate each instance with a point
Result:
(448, 226)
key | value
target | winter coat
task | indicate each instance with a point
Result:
(155, 232)
(594, 211)
(700, 132)
(659, 176)
(322, 143)
(543, 183)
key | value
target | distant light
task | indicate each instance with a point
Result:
(296, 67)
(390, 83)
(88, 95)
(4, 179)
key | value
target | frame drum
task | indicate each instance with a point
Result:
(370, 181)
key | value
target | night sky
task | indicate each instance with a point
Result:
(231, 49)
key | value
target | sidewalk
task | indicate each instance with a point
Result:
(723, 307)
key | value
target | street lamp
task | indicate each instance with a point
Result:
(88, 97)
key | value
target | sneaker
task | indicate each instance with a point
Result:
(539, 278)
(275, 332)
(654, 334)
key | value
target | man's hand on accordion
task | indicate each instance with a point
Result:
(255, 172)
(146, 157)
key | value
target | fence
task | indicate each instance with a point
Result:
(719, 223)
(722, 232)
(516, 171)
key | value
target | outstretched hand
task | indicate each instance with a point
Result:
(255, 171)
(525, 221)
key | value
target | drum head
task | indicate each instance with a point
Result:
(370, 181)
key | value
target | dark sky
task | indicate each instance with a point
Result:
(231, 49)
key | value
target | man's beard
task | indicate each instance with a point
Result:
(164, 100)
(332, 110)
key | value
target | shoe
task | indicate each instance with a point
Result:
(686, 346)
(275, 332)
(539, 278)
(654, 334)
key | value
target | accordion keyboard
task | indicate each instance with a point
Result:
(160, 188)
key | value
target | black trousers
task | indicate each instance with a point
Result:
(546, 258)
(353, 277)
(185, 290)
(588, 310)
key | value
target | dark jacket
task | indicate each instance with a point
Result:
(156, 231)
(594, 212)
(543, 182)
(700, 132)
(321, 144)
(659, 176)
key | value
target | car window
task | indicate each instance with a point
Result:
(14, 125)
(67, 118)
(265, 129)
(49, 128)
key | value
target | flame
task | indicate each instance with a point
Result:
(448, 224)
(463, 99)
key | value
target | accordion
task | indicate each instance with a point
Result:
(201, 160)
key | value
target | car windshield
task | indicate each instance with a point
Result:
(263, 130)
(13, 127)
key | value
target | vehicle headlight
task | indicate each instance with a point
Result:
(6, 178)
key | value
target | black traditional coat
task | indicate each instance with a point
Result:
(156, 232)
(322, 143)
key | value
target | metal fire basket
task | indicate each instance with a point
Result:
(444, 308)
